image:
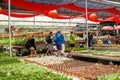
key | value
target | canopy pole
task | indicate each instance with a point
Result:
(86, 22)
(117, 31)
(53, 22)
(64, 26)
(9, 25)
(97, 33)
(70, 22)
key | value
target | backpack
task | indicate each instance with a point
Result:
(27, 44)
(48, 39)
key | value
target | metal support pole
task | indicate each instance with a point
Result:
(86, 22)
(97, 33)
(53, 22)
(9, 25)
(70, 22)
(117, 31)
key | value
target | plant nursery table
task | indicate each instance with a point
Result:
(19, 49)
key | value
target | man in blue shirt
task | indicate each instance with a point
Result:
(58, 42)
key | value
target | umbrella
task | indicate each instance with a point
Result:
(117, 28)
(107, 28)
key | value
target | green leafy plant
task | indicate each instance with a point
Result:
(115, 76)
(44, 50)
(21, 40)
(13, 69)
(67, 49)
(79, 49)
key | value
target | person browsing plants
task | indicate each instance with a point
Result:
(49, 40)
(72, 41)
(31, 45)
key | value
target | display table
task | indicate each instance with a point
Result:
(81, 43)
(107, 47)
(18, 49)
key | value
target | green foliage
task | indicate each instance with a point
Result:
(106, 52)
(25, 53)
(21, 40)
(79, 49)
(103, 52)
(4, 54)
(44, 50)
(4, 41)
(18, 41)
(5, 59)
(115, 76)
(39, 51)
(13, 69)
(68, 49)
